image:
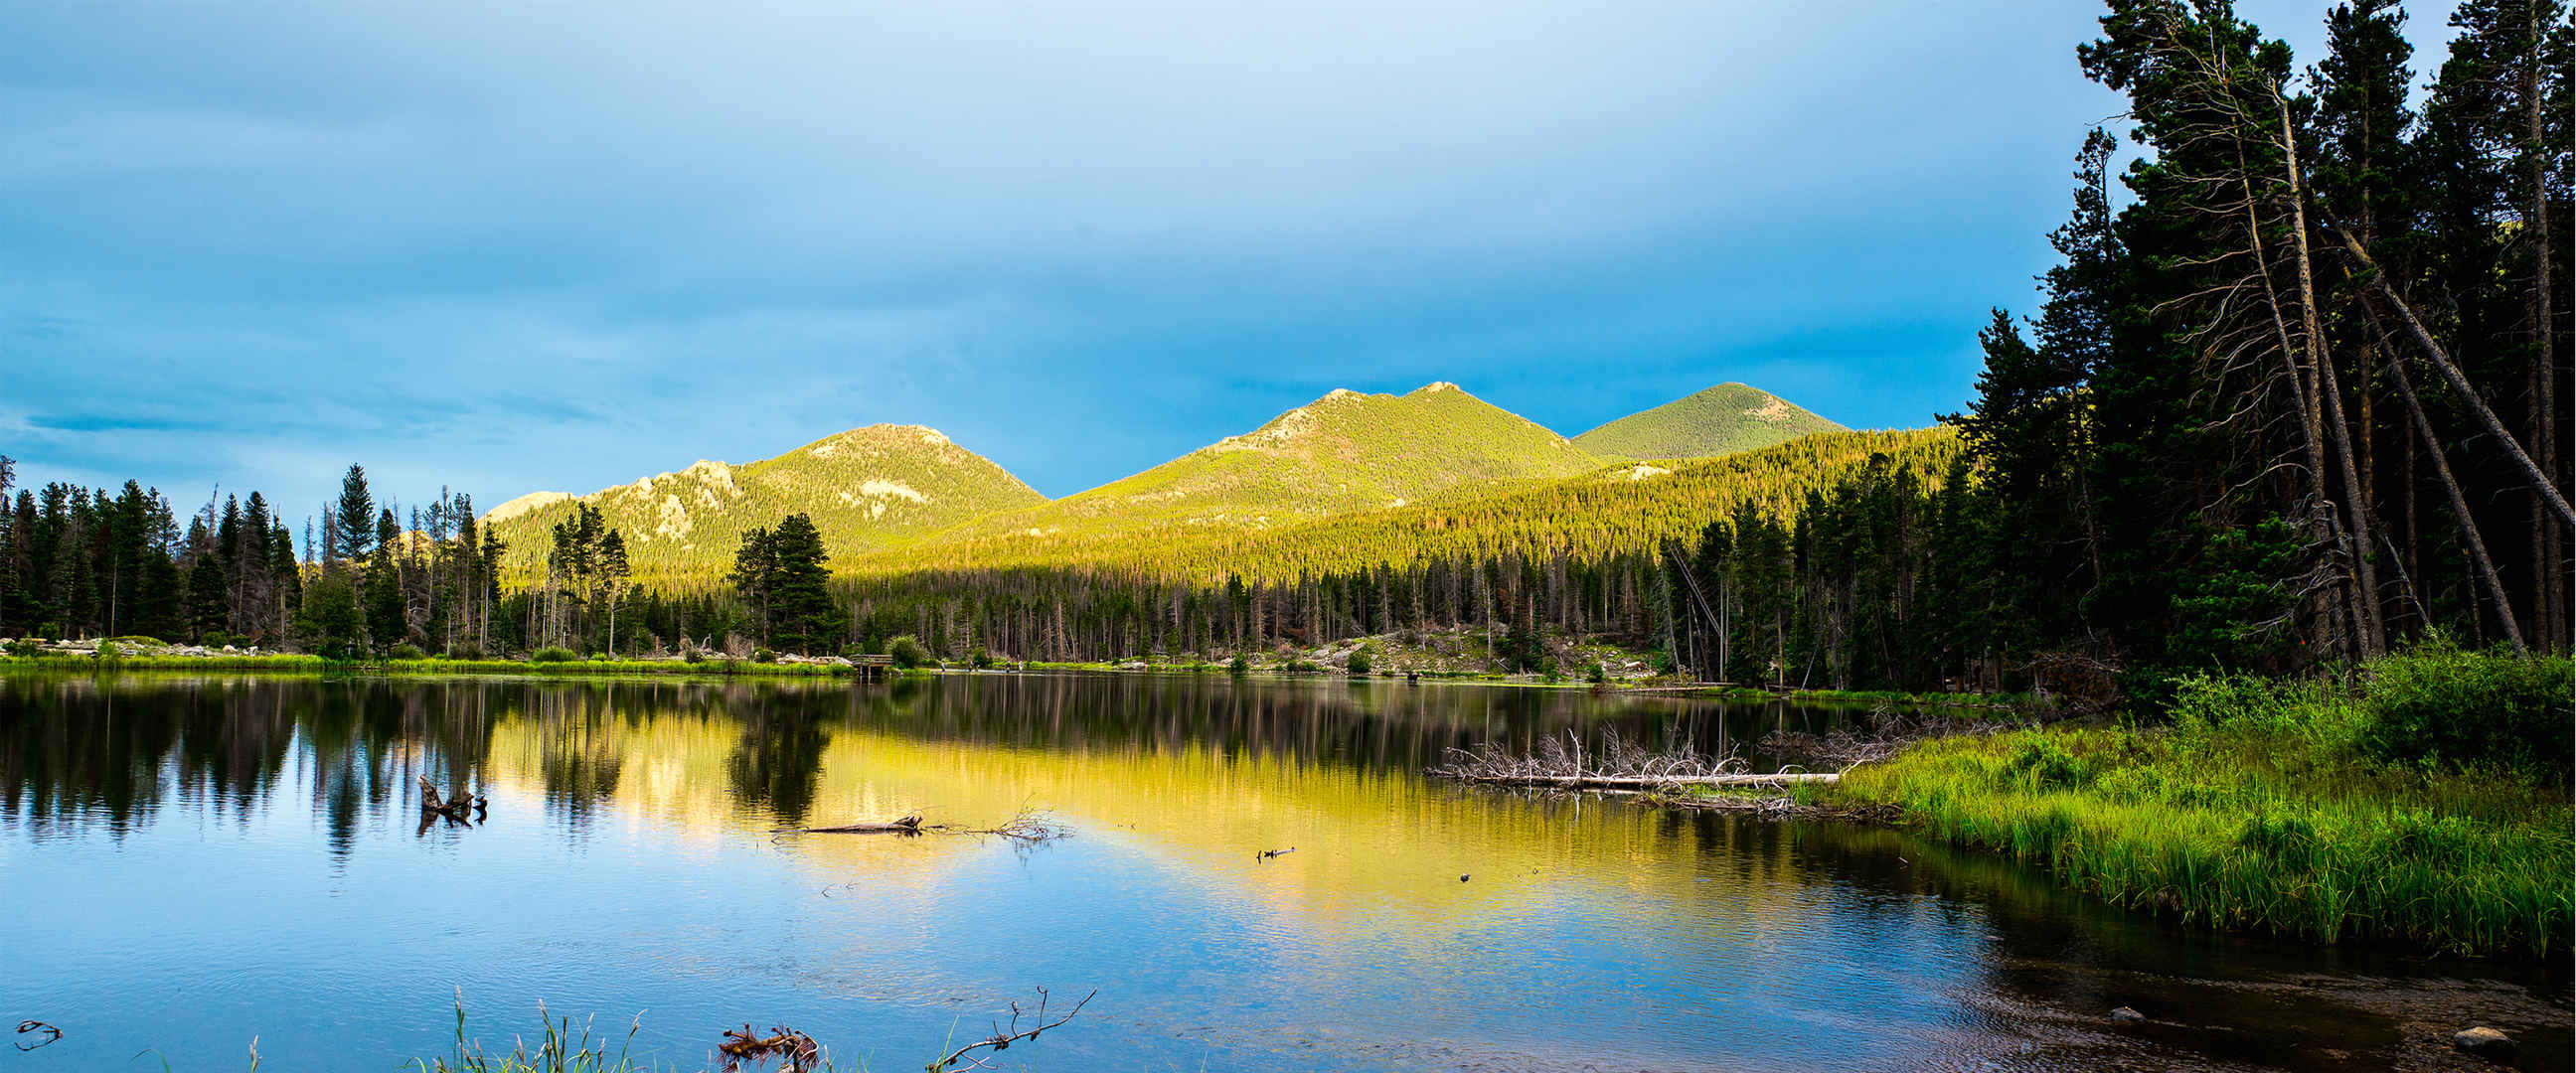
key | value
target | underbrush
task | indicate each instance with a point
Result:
(2417, 802)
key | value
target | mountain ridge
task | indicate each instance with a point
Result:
(1719, 420)
(879, 490)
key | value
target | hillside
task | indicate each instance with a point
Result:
(1346, 451)
(1721, 420)
(867, 489)
(1622, 508)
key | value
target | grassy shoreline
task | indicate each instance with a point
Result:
(2324, 811)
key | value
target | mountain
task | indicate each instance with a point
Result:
(1343, 452)
(1620, 508)
(1721, 420)
(867, 489)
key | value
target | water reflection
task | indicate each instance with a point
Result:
(162, 831)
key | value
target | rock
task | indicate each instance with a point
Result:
(1462, 879)
(2484, 1042)
(2126, 1014)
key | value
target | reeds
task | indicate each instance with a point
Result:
(2259, 811)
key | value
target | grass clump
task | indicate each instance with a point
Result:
(2414, 804)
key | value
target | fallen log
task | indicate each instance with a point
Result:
(1640, 782)
(908, 825)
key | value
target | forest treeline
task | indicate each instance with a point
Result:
(2289, 400)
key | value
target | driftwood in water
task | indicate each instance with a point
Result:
(1030, 827)
(1002, 1037)
(1642, 782)
(909, 825)
(1269, 853)
(1565, 764)
(434, 803)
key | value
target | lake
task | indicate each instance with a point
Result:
(191, 863)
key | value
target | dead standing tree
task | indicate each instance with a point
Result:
(2226, 143)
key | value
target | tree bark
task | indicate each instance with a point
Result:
(2325, 386)
(2550, 575)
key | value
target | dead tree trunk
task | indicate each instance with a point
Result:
(2441, 360)
(2459, 503)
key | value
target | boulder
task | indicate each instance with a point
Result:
(2484, 1042)
(2126, 1014)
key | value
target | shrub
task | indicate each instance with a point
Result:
(1359, 662)
(2438, 704)
(2044, 763)
(109, 650)
(553, 655)
(1242, 665)
(763, 655)
(466, 652)
(405, 650)
(981, 659)
(1595, 674)
(24, 648)
(907, 652)
(215, 639)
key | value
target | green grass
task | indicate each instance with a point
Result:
(2263, 807)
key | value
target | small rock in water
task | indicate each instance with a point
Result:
(1462, 879)
(2126, 1014)
(2483, 1041)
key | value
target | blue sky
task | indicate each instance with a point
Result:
(560, 244)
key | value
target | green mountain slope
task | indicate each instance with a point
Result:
(1343, 452)
(867, 489)
(1628, 507)
(1721, 420)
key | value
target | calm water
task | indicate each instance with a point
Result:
(189, 863)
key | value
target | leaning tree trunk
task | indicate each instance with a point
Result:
(2477, 545)
(2441, 360)
(2324, 386)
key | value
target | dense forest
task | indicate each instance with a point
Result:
(2294, 402)
(2289, 400)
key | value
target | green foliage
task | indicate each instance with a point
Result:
(405, 650)
(1718, 421)
(1239, 666)
(1359, 662)
(982, 659)
(553, 655)
(329, 623)
(763, 655)
(780, 576)
(23, 647)
(2262, 808)
(110, 650)
(907, 652)
(2441, 705)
